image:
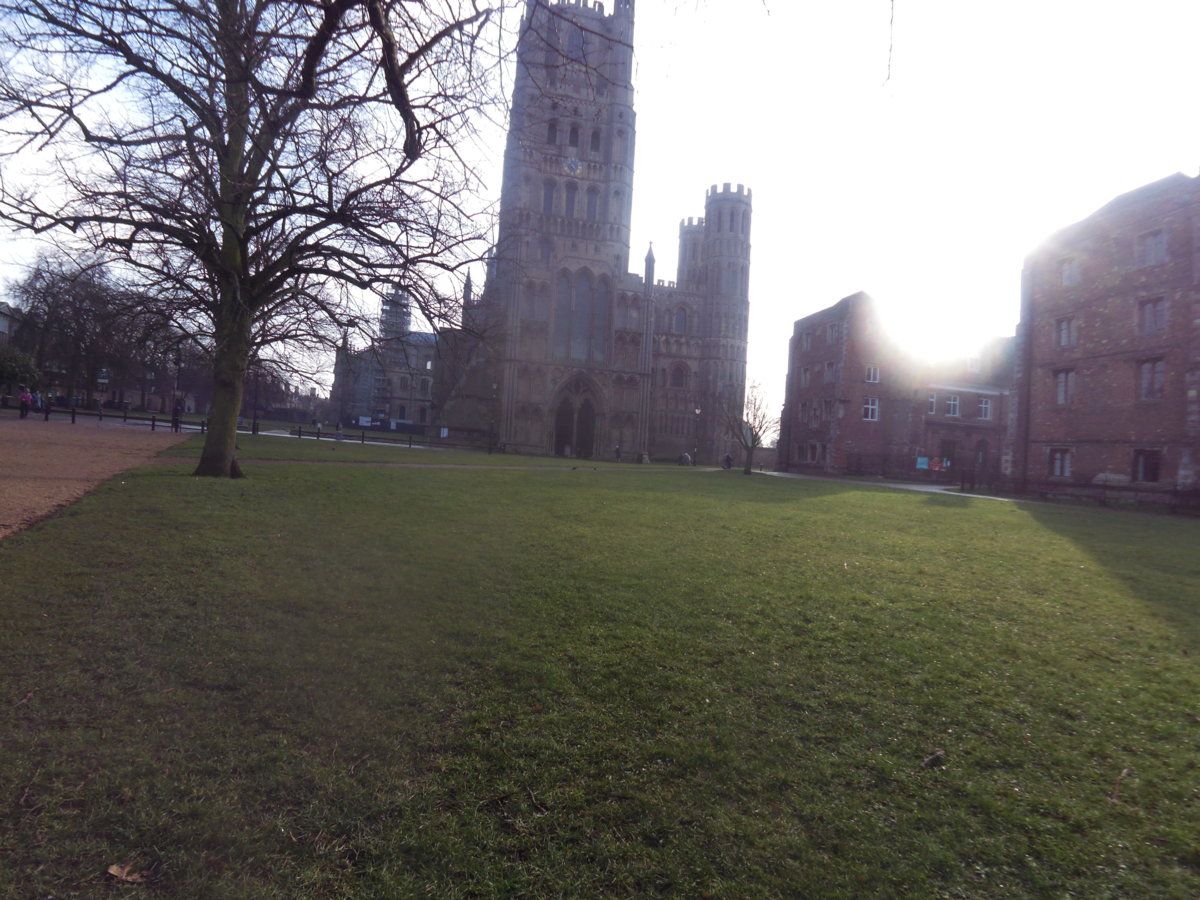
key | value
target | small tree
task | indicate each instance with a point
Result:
(750, 423)
(16, 367)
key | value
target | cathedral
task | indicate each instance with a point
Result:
(586, 359)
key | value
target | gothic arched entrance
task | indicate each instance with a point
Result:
(576, 420)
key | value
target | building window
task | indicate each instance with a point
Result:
(573, 136)
(552, 132)
(679, 377)
(831, 333)
(593, 204)
(549, 189)
(952, 405)
(1064, 386)
(806, 340)
(871, 409)
(595, 146)
(402, 414)
(1068, 270)
(985, 408)
(582, 317)
(425, 386)
(1146, 464)
(1066, 331)
(572, 195)
(932, 408)
(804, 377)
(830, 372)
(1060, 463)
(814, 452)
(872, 374)
(679, 325)
(1152, 316)
(1152, 376)
(1151, 248)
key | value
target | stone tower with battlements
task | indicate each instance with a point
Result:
(584, 356)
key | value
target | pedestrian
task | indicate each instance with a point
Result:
(728, 461)
(617, 451)
(26, 401)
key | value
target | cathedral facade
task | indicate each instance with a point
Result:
(585, 357)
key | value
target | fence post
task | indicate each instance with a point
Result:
(299, 431)
(72, 415)
(410, 442)
(362, 437)
(100, 414)
(46, 413)
(153, 422)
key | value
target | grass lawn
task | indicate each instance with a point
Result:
(265, 447)
(348, 680)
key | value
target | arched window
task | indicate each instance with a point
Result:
(615, 211)
(402, 386)
(679, 326)
(601, 311)
(593, 204)
(549, 189)
(552, 132)
(402, 414)
(546, 250)
(425, 385)
(573, 136)
(562, 315)
(572, 194)
(581, 321)
(679, 377)
(595, 148)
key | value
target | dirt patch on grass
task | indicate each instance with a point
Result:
(46, 465)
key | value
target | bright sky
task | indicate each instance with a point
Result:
(1002, 123)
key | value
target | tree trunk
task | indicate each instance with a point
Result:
(748, 469)
(230, 361)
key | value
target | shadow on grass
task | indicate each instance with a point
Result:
(1155, 555)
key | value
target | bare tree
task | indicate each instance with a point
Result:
(255, 166)
(751, 423)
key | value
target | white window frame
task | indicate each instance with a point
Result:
(1064, 387)
(1060, 462)
(931, 409)
(872, 374)
(870, 410)
(952, 406)
(985, 409)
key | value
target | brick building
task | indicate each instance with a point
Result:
(855, 403)
(1109, 345)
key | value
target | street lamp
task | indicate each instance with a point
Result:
(696, 449)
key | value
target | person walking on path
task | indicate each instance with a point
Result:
(26, 402)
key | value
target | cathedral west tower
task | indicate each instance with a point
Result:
(584, 356)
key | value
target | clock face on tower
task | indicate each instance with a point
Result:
(573, 166)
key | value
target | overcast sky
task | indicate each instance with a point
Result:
(1001, 123)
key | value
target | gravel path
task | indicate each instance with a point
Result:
(46, 465)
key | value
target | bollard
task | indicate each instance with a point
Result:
(72, 415)
(100, 414)
(124, 413)
(204, 426)
(362, 437)
(153, 422)
(410, 442)
(46, 413)
(299, 431)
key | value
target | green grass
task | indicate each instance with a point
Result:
(262, 447)
(348, 681)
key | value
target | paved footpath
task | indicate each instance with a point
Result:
(46, 465)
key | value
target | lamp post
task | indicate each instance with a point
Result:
(696, 449)
(254, 418)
